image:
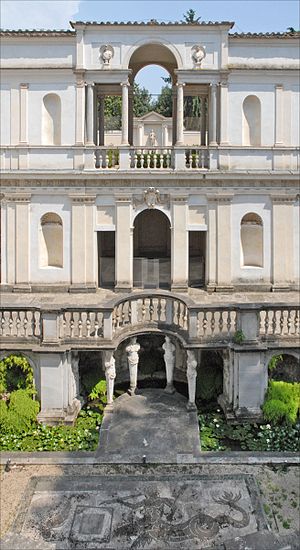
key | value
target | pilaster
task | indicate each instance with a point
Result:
(18, 241)
(80, 103)
(279, 114)
(124, 244)
(83, 247)
(23, 138)
(90, 114)
(223, 262)
(179, 244)
(180, 112)
(125, 104)
(283, 242)
(211, 256)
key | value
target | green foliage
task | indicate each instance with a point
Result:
(209, 382)
(217, 435)
(142, 105)
(142, 102)
(98, 391)
(239, 337)
(282, 402)
(20, 413)
(274, 362)
(163, 104)
(83, 436)
(16, 373)
(190, 17)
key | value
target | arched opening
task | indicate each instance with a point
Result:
(51, 241)
(251, 121)
(284, 367)
(251, 241)
(151, 250)
(51, 120)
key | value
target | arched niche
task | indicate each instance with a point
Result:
(251, 121)
(251, 240)
(51, 120)
(152, 249)
(51, 241)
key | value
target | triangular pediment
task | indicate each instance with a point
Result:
(152, 117)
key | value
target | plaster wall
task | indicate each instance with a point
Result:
(241, 205)
(41, 52)
(40, 205)
(265, 53)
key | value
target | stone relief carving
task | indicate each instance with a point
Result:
(110, 374)
(106, 54)
(169, 358)
(133, 360)
(198, 54)
(151, 197)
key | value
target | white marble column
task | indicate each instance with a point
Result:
(213, 115)
(23, 114)
(90, 115)
(110, 375)
(79, 118)
(203, 121)
(224, 113)
(279, 114)
(124, 245)
(180, 113)
(101, 119)
(191, 374)
(125, 86)
(169, 359)
(165, 136)
(179, 245)
(133, 360)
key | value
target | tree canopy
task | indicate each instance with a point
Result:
(190, 17)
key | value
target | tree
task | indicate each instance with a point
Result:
(190, 17)
(163, 104)
(142, 105)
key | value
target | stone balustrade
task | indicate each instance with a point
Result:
(158, 158)
(91, 327)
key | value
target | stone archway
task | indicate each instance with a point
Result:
(152, 250)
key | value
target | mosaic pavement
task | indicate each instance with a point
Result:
(138, 512)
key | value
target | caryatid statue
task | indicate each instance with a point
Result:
(133, 361)
(169, 358)
(191, 374)
(110, 375)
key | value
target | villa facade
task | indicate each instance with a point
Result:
(154, 229)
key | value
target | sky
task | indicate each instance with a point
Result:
(248, 15)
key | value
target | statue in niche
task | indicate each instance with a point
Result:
(106, 54)
(133, 360)
(169, 358)
(198, 54)
(110, 375)
(191, 374)
(152, 138)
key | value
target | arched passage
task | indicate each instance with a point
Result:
(151, 250)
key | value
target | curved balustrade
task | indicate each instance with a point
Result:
(155, 310)
(93, 325)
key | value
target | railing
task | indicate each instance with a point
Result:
(158, 310)
(147, 158)
(20, 323)
(78, 325)
(197, 158)
(38, 157)
(92, 326)
(277, 322)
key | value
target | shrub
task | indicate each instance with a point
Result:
(209, 382)
(282, 402)
(16, 373)
(98, 391)
(20, 414)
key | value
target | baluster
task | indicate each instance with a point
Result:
(151, 309)
(143, 310)
(213, 323)
(190, 160)
(296, 321)
(2, 323)
(289, 321)
(281, 322)
(72, 325)
(204, 323)
(135, 160)
(221, 321)
(148, 160)
(88, 324)
(63, 326)
(118, 317)
(185, 318)
(197, 159)
(80, 325)
(10, 323)
(274, 322)
(18, 323)
(26, 323)
(168, 159)
(100, 161)
(96, 335)
(106, 160)
(161, 160)
(123, 313)
(154, 160)
(267, 323)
